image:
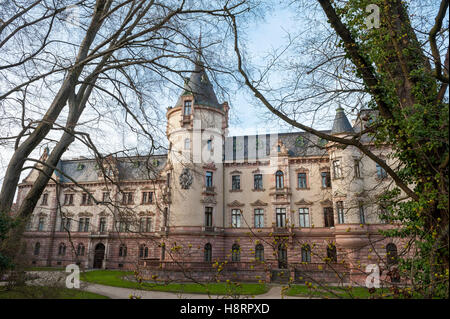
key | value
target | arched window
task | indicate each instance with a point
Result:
(62, 249)
(143, 251)
(208, 252)
(282, 256)
(37, 248)
(306, 253)
(391, 254)
(259, 252)
(331, 252)
(122, 251)
(279, 179)
(80, 249)
(235, 253)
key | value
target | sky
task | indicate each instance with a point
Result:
(246, 118)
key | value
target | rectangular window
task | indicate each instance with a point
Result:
(281, 217)
(86, 199)
(106, 196)
(147, 197)
(68, 199)
(44, 199)
(102, 225)
(41, 224)
(235, 218)
(326, 179)
(304, 217)
(258, 181)
(65, 224)
(340, 212)
(381, 173)
(127, 198)
(302, 180)
(357, 169)
(209, 145)
(209, 179)
(81, 224)
(187, 108)
(145, 224)
(362, 217)
(86, 224)
(123, 226)
(328, 216)
(166, 217)
(259, 218)
(235, 182)
(337, 169)
(208, 216)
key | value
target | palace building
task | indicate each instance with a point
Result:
(247, 207)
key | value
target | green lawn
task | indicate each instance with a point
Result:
(335, 292)
(40, 292)
(115, 278)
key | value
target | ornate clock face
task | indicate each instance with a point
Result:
(185, 178)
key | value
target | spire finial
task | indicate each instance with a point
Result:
(199, 57)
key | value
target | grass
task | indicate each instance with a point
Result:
(42, 292)
(116, 279)
(334, 292)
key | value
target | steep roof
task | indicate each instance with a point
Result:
(297, 144)
(200, 87)
(135, 168)
(341, 123)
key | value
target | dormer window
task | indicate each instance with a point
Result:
(187, 108)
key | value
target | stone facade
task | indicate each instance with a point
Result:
(215, 198)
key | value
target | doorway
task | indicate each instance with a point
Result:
(99, 255)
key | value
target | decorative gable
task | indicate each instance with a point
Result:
(258, 203)
(236, 203)
(303, 202)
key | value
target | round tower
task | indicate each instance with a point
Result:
(346, 173)
(196, 130)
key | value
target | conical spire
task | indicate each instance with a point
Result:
(199, 85)
(341, 123)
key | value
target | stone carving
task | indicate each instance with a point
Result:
(185, 178)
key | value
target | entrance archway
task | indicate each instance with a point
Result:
(99, 255)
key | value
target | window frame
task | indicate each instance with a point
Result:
(208, 216)
(187, 106)
(280, 217)
(340, 212)
(258, 215)
(257, 182)
(337, 169)
(235, 182)
(236, 216)
(326, 179)
(279, 179)
(306, 217)
(302, 183)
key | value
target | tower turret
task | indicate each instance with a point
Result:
(347, 182)
(196, 129)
